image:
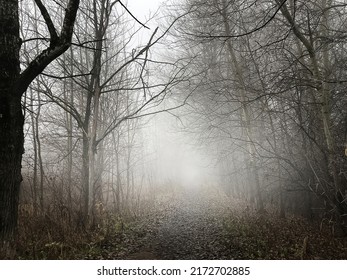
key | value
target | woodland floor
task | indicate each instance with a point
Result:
(188, 225)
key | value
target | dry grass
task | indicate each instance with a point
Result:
(240, 232)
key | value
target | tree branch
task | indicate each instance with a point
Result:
(57, 47)
(52, 31)
(248, 32)
(120, 2)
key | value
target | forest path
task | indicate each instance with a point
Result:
(190, 226)
(206, 224)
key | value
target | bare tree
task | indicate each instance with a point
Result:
(13, 84)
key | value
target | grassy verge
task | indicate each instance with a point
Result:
(266, 237)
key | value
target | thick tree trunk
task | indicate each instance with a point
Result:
(11, 124)
(11, 150)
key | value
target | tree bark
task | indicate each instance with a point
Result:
(11, 124)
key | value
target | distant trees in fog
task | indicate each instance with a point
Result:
(94, 95)
(270, 95)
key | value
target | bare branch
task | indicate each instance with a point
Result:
(65, 77)
(52, 31)
(56, 48)
(248, 32)
(120, 2)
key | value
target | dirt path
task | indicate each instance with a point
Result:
(189, 227)
(205, 224)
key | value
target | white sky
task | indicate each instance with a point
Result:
(143, 9)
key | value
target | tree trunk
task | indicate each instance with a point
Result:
(11, 124)
(246, 114)
(35, 175)
(85, 178)
(39, 154)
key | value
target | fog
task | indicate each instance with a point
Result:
(175, 156)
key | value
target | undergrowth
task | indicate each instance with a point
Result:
(242, 235)
(44, 238)
(268, 237)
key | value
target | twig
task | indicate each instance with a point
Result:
(132, 15)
